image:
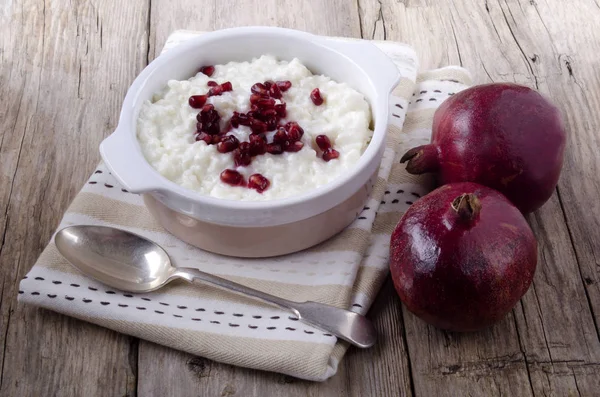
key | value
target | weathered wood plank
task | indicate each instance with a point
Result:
(564, 358)
(65, 69)
(64, 74)
(554, 340)
(383, 370)
(204, 377)
(444, 363)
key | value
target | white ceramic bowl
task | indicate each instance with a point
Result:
(358, 63)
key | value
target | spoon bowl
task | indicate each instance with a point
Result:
(118, 258)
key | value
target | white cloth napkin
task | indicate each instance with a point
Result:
(346, 271)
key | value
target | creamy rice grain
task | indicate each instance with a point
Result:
(166, 128)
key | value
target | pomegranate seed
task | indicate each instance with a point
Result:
(258, 126)
(215, 91)
(268, 113)
(207, 116)
(241, 155)
(226, 86)
(268, 84)
(259, 89)
(271, 123)
(254, 98)
(235, 120)
(257, 138)
(280, 109)
(207, 70)
(284, 85)
(239, 119)
(244, 120)
(294, 131)
(330, 154)
(289, 124)
(275, 92)
(208, 120)
(265, 103)
(228, 144)
(258, 145)
(215, 139)
(316, 97)
(197, 101)
(323, 142)
(232, 177)
(274, 148)
(212, 83)
(294, 146)
(258, 182)
(201, 136)
(212, 128)
(280, 136)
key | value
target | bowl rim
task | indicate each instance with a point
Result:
(379, 109)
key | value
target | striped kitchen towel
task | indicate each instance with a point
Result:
(346, 271)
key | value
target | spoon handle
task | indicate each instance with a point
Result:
(192, 275)
(347, 325)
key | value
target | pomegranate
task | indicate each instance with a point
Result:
(504, 136)
(212, 83)
(462, 256)
(316, 97)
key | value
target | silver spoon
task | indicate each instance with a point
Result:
(133, 263)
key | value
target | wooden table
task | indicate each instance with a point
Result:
(65, 68)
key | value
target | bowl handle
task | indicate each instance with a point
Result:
(383, 71)
(117, 152)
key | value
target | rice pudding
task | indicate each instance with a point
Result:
(258, 130)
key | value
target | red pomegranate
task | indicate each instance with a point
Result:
(462, 256)
(505, 136)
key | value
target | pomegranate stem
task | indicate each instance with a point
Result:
(421, 159)
(467, 206)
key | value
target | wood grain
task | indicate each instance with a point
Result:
(65, 67)
(64, 75)
(197, 375)
(550, 345)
